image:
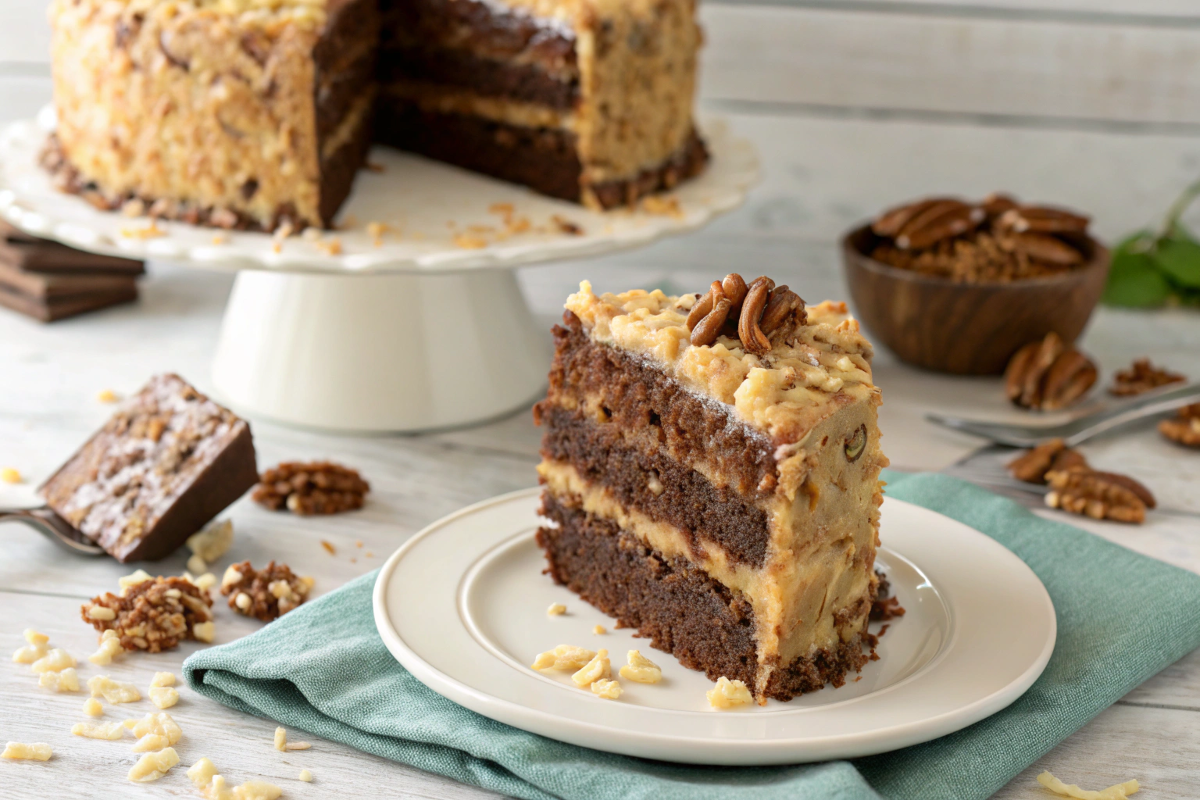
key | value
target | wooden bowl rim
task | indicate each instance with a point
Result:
(1099, 259)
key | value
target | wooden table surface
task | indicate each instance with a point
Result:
(1092, 105)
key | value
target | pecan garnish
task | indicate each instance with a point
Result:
(1184, 427)
(1048, 375)
(319, 487)
(266, 593)
(1099, 495)
(1142, 376)
(759, 315)
(153, 615)
(1033, 465)
(997, 239)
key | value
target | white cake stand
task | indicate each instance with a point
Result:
(415, 326)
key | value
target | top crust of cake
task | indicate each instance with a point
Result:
(785, 393)
(304, 13)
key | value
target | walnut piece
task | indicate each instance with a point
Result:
(728, 694)
(319, 487)
(204, 776)
(212, 542)
(597, 669)
(112, 731)
(19, 751)
(556, 610)
(164, 696)
(1048, 375)
(1118, 791)
(55, 660)
(154, 614)
(92, 707)
(265, 594)
(1141, 377)
(1099, 495)
(160, 724)
(110, 646)
(1052, 456)
(1184, 427)
(153, 766)
(65, 681)
(565, 656)
(113, 691)
(606, 689)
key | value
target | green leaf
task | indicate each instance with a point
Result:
(1134, 279)
(1180, 260)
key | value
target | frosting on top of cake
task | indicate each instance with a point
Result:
(826, 364)
(308, 13)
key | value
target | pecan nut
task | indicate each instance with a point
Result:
(1043, 219)
(1099, 495)
(749, 330)
(319, 487)
(1033, 465)
(1184, 427)
(1048, 375)
(1142, 376)
(784, 313)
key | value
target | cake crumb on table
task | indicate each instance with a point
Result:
(107, 396)
(556, 610)
(329, 548)
(10, 475)
(19, 751)
(1115, 792)
(728, 694)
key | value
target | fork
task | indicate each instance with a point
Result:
(53, 527)
(1079, 430)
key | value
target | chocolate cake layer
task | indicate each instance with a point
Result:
(543, 159)
(681, 609)
(345, 60)
(487, 29)
(527, 83)
(339, 168)
(637, 396)
(685, 499)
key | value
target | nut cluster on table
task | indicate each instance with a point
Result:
(265, 594)
(1048, 375)
(318, 487)
(153, 614)
(1075, 487)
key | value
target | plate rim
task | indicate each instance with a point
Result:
(756, 752)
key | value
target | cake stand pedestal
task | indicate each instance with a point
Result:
(385, 352)
(413, 323)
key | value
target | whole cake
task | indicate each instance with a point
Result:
(711, 471)
(258, 113)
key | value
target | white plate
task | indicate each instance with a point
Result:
(462, 606)
(418, 197)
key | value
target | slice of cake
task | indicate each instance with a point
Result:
(711, 470)
(164, 465)
(233, 113)
(585, 100)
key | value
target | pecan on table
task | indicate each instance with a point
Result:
(1142, 376)
(266, 593)
(760, 314)
(319, 487)
(153, 615)
(1048, 375)
(1184, 427)
(1099, 495)
(1052, 456)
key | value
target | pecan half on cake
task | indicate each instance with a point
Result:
(716, 484)
(249, 114)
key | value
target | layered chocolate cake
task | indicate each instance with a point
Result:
(258, 113)
(711, 471)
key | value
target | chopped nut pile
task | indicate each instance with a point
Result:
(153, 614)
(265, 594)
(996, 240)
(1052, 456)
(1048, 375)
(319, 487)
(1141, 377)
(1184, 427)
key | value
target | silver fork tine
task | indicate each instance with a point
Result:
(1079, 430)
(53, 527)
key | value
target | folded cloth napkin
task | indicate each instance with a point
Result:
(1121, 618)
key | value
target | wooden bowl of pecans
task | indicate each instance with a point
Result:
(959, 287)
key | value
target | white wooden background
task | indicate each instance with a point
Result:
(853, 104)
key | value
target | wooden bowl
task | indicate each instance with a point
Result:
(966, 328)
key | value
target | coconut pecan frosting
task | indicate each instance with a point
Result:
(996, 239)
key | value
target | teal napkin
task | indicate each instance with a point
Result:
(1122, 617)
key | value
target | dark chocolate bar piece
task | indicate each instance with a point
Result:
(28, 253)
(53, 309)
(165, 464)
(51, 286)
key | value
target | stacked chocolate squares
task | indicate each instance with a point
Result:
(49, 281)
